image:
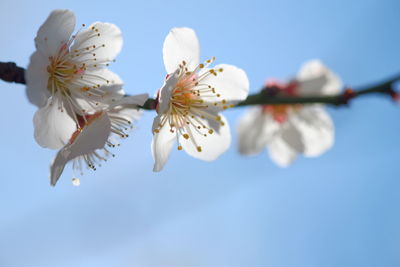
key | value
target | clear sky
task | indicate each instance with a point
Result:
(341, 209)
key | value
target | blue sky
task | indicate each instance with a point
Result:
(340, 209)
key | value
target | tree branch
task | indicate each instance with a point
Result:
(384, 88)
(10, 72)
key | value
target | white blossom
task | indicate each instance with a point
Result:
(66, 75)
(96, 133)
(190, 101)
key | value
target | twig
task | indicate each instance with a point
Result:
(10, 72)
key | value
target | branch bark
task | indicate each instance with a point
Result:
(383, 88)
(10, 72)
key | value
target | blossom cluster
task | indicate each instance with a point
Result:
(83, 111)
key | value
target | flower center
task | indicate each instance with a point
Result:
(73, 73)
(83, 121)
(62, 71)
(119, 127)
(192, 105)
(280, 112)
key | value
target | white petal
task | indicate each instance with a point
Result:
(108, 81)
(128, 107)
(53, 128)
(137, 100)
(55, 31)
(161, 145)
(101, 77)
(181, 44)
(212, 145)
(93, 103)
(316, 128)
(255, 129)
(292, 136)
(232, 84)
(281, 153)
(36, 80)
(314, 78)
(165, 92)
(127, 112)
(93, 137)
(99, 34)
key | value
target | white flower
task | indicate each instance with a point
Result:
(87, 146)
(287, 130)
(66, 74)
(190, 101)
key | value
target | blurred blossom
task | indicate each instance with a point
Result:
(190, 100)
(287, 130)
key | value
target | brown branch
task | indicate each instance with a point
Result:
(10, 72)
(384, 88)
